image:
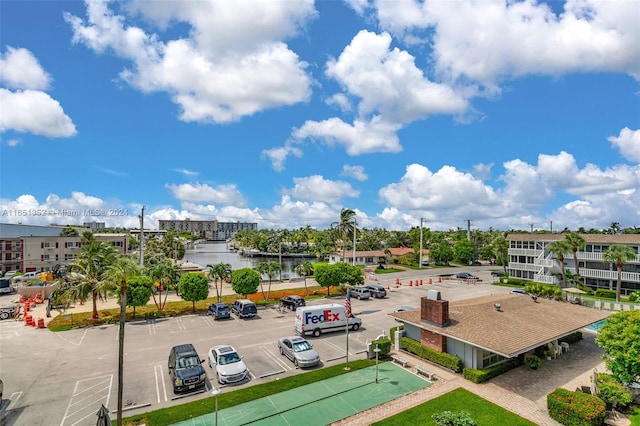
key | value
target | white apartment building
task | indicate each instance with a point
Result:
(208, 229)
(43, 253)
(530, 259)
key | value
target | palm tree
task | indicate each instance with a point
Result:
(346, 227)
(88, 269)
(501, 247)
(220, 271)
(576, 242)
(165, 273)
(271, 269)
(118, 274)
(304, 269)
(559, 248)
(619, 255)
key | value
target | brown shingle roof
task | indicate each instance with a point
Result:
(519, 326)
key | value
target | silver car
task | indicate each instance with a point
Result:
(298, 350)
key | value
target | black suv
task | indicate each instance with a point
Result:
(292, 302)
(185, 368)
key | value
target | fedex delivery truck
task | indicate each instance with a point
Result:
(323, 319)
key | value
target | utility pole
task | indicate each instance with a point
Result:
(531, 224)
(421, 220)
(141, 217)
(355, 229)
(469, 229)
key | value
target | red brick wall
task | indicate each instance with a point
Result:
(434, 311)
(433, 340)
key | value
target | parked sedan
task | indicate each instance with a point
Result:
(298, 350)
(219, 310)
(228, 365)
(465, 276)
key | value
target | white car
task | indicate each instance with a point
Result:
(29, 276)
(298, 350)
(228, 365)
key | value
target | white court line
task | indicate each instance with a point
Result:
(157, 371)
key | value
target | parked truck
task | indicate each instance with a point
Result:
(320, 319)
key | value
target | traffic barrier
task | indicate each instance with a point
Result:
(439, 279)
(41, 323)
(388, 288)
(430, 281)
(410, 283)
(420, 282)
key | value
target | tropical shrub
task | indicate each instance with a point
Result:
(612, 392)
(384, 345)
(635, 296)
(447, 418)
(532, 361)
(605, 294)
(576, 408)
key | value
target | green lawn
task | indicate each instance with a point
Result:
(481, 410)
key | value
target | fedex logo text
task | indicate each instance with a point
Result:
(326, 316)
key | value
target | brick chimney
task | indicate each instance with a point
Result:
(434, 311)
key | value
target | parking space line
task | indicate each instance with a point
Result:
(152, 327)
(86, 399)
(61, 335)
(157, 371)
(276, 359)
(208, 319)
(180, 323)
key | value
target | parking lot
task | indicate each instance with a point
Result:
(62, 378)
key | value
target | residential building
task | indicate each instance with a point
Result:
(371, 257)
(530, 259)
(488, 330)
(44, 252)
(208, 229)
(30, 248)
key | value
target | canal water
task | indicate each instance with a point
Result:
(212, 253)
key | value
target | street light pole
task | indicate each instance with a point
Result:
(355, 229)
(142, 237)
(377, 351)
(215, 393)
(420, 266)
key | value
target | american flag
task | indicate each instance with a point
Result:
(347, 305)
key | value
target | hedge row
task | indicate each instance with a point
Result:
(605, 294)
(446, 360)
(480, 376)
(576, 408)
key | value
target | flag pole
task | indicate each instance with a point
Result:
(347, 312)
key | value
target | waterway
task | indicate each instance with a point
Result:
(215, 252)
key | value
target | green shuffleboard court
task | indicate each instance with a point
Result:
(322, 402)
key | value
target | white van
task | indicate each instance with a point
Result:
(323, 319)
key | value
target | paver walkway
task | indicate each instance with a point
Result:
(522, 390)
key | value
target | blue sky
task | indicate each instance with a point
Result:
(509, 114)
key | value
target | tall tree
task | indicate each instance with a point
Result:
(194, 287)
(165, 273)
(305, 269)
(560, 248)
(245, 281)
(139, 289)
(118, 273)
(88, 270)
(270, 269)
(220, 271)
(346, 226)
(576, 242)
(501, 248)
(619, 255)
(618, 337)
(327, 275)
